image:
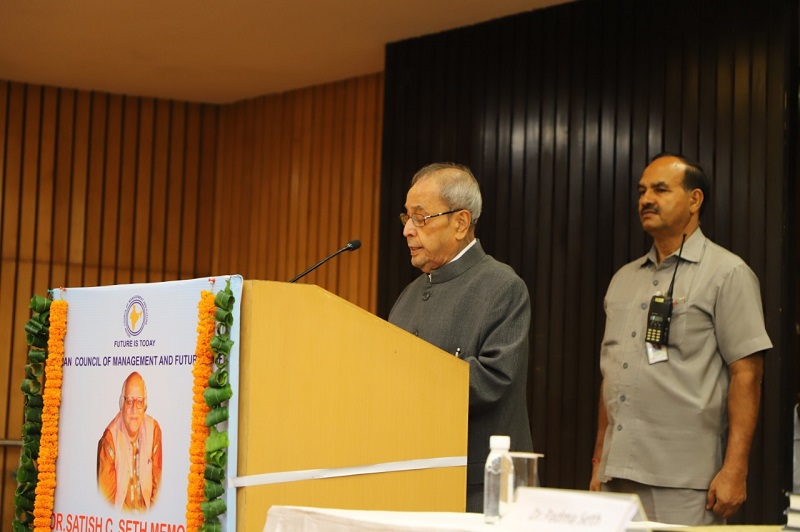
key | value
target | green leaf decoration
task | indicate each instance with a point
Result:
(26, 475)
(25, 519)
(213, 472)
(43, 318)
(24, 515)
(213, 508)
(221, 330)
(224, 316)
(217, 396)
(37, 355)
(33, 414)
(31, 443)
(221, 361)
(218, 458)
(213, 489)
(224, 298)
(23, 524)
(39, 304)
(219, 391)
(36, 341)
(26, 489)
(34, 370)
(31, 387)
(36, 328)
(26, 459)
(213, 526)
(218, 379)
(34, 400)
(24, 502)
(32, 428)
(37, 332)
(216, 415)
(221, 344)
(216, 440)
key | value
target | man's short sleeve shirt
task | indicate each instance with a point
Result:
(668, 420)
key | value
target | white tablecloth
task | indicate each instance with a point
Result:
(305, 519)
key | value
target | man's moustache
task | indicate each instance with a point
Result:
(649, 208)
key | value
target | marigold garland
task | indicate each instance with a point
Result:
(48, 451)
(202, 370)
(198, 495)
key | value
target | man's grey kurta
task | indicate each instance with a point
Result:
(480, 308)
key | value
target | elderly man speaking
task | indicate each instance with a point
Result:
(468, 304)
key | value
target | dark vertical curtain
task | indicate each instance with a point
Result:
(557, 111)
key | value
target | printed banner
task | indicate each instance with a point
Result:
(126, 410)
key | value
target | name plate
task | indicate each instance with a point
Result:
(555, 510)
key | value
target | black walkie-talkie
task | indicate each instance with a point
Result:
(660, 313)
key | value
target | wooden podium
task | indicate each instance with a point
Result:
(325, 384)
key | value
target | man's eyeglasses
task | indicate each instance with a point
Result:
(419, 220)
(137, 402)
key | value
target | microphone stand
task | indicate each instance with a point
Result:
(351, 246)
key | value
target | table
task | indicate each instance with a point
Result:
(306, 519)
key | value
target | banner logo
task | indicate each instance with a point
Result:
(135, 316)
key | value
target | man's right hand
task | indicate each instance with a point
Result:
(602, 424)
(594, 484)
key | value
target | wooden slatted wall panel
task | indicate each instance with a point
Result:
(557, 111)
(308, 172)
(103, 189)
(85, 180)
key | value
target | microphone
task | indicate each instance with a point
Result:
(350, 246)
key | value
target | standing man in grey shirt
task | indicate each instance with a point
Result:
(468, 304)
(676, 417)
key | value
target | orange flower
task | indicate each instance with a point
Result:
(206, 325)
(48, 452)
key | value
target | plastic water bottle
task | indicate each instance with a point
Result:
(498, 479)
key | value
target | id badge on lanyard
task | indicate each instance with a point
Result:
(656, 353)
